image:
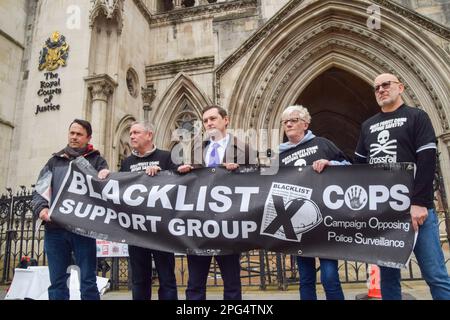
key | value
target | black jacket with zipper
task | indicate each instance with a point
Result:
(57, 166)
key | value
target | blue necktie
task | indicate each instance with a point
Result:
(214, 159)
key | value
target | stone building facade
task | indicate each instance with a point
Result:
(163, 60)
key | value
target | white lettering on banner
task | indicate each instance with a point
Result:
(110, 215)
(399, 193)
(246, 194)
(86, 212)
(78, 184)
(328, 221)
(67, 206)
(211, 228)
(92, 193)
(201, 198)
(373, 223)
(356, 198)
(128, 193)
(339, 238)
(161, 195)
(380, 242)
(360, 239)
(111, 191)
(136, 194)
(134, 221)
(327, 197)
(181, 198)
(215, 194)
(124, 220)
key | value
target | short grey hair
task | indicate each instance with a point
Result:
(148, 126)
(301, 110)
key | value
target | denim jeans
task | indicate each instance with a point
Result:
(141, 273)
(329, 276)
(431, 262)
(59, 245)
(230, 269)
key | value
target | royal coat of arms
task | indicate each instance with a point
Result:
(54, 53)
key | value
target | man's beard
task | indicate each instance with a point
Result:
(385, 102)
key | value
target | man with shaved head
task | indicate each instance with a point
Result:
(400, 133)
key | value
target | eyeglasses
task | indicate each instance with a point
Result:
(293, 121)
(385, 85)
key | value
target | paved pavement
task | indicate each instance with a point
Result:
(411, 289)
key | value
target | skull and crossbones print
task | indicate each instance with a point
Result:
(384, 144)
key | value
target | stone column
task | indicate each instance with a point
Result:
(444, 159)
(177, 4)
(101, 88)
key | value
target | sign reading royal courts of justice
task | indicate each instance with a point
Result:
(53, 55)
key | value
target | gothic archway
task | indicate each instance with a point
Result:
(331, 99)
(181, 104)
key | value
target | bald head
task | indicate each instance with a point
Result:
(386, 77)
(388, 90)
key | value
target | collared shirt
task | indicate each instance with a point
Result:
(221, 149)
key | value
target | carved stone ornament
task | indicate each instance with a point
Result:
(55, 53)
(111, 9)
(132, 81)
(101, 86)
(148, 95)
(183, 10)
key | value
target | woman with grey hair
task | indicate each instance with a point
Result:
(304, 148)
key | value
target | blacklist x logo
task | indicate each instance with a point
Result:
(284, 216)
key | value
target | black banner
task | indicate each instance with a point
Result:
(358, 213)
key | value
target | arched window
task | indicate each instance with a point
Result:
(186, 128)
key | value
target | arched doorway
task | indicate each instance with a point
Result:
(338, 102)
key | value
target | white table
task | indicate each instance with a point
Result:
(33, 282)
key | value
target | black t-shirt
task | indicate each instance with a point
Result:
(158, 158)
(405, 135)
(396, 136)
(306, 153)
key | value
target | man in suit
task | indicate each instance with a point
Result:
(225, 150)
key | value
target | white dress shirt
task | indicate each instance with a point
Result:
(221, 149)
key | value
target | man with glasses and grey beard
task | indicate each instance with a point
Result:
(399, 133)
